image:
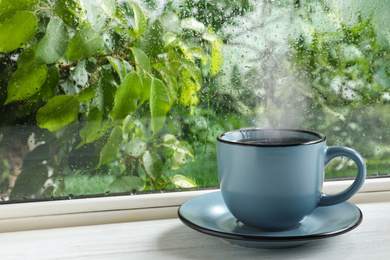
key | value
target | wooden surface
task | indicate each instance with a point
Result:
(170, 239)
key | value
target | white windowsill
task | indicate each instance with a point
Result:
(120, 209)
(171, 239)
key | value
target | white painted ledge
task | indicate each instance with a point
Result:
(170, 239)
(120, 209)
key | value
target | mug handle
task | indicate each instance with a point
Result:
(336, 151)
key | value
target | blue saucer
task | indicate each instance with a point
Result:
(209, 214)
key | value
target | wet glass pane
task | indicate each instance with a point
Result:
(111, 97)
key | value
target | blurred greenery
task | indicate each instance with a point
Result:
(347, 73)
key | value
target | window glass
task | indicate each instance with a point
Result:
(103, 97)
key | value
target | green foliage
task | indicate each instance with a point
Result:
(144, 69)
(140, 20)
(9, 7)
(17, 30)
(98, 87)
(99, 97)
(58, 112)
(183, 181)
(66, 10)
(345, 65)
(84, 43)
(160, 104)
(135, 147)
(180, 151)
(111, 149)
(346, 68)
(26, 82)
(216, 57)
(152, 164)
(212, 14)
(126, 96)
(52, 46)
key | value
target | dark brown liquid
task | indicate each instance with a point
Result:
(275, 141)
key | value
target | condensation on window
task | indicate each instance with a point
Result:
(108, 97)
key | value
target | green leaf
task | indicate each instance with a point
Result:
(190, 52)
(126, 184)
(26, 82)
(139, 19)
(132, 128)
(108, 7)
(172, 68)
(160, 104)
(53, 45)
(136, 147)
(172, 88)
(182, 181)
(87, 93)
(84, 43)
(48, 88)
(58, 112)
(17, 30)
(144, 70)
(27, 57)
(105, 93)
(216, 55)
(126, 96)
(9, 6)
(127, 68)
(95, 18)
(94, 129)
(184, 47)
(170, 22)
(66, 10)
(120, 16)
(112, 147)
(193, 70)
(142, 60)
(181, 150)
(153, 165)
(189, 90)
(192, 24)
(118, 66)
(170, 40)
(79, 74)
(198, 53)
(152, 42)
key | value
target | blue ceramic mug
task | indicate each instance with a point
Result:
(272, 178)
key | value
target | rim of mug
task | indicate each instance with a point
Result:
(321, 137)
